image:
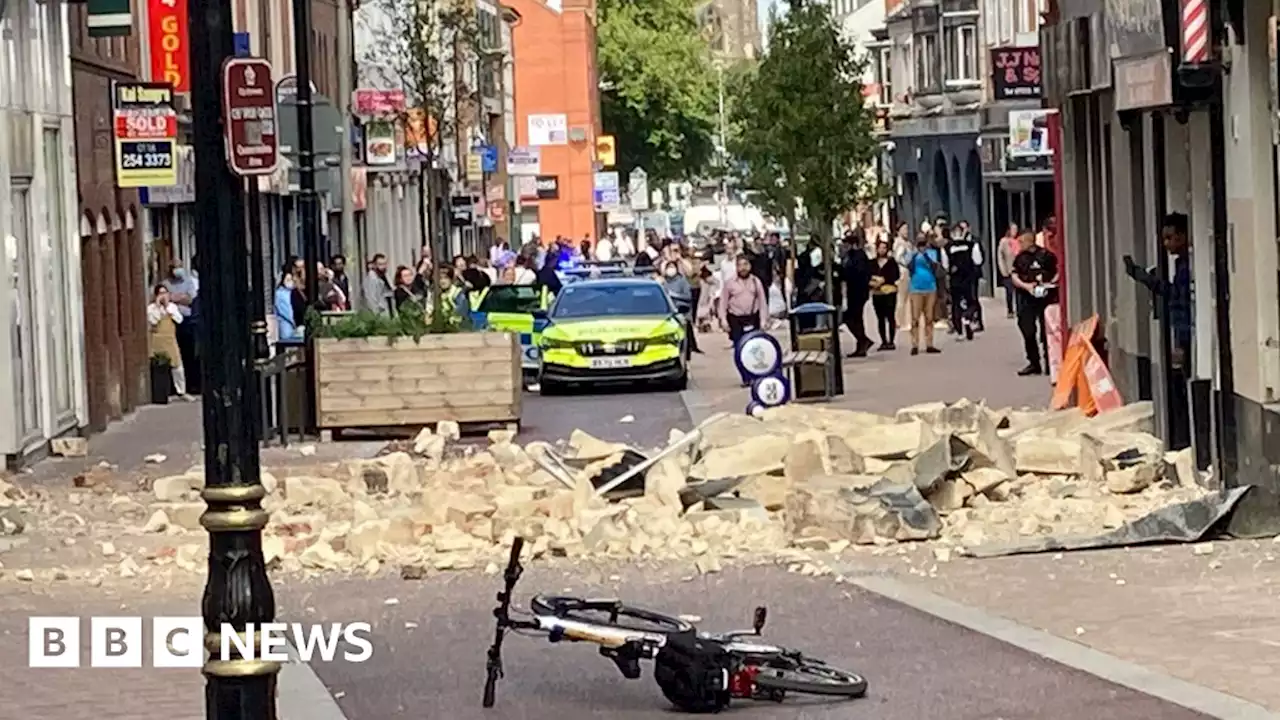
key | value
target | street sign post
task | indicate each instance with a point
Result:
(638, 189)
(250, 106)
(606, 191)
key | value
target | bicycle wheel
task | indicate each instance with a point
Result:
(608, 613)
(810, 677)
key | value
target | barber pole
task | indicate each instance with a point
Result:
(1195, 32)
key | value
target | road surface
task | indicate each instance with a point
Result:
(919, 667)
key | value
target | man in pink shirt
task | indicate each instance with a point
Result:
(744, 305)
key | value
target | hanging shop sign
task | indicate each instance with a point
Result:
(377, 103)
(169, 43)
(253, 147)
(1029, 133)
(1015, 73)
(146, 132)
(379, 143)
(547, 187)
(475, 167)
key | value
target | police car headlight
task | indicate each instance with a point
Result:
(668, 339)
(554, 344)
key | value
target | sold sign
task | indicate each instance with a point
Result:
(168, 39)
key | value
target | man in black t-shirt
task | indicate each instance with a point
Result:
(1035, 269)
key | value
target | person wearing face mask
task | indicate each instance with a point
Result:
(164, 319)
(744, 305)
(287, 328)
(183, 287)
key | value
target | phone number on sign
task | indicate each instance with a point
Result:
(149, 156)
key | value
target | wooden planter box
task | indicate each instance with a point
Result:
(467, 377)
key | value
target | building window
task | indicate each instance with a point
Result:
(962, 53)
(926, 62)
(884, 75)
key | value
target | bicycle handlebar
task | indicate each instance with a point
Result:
(502, 615)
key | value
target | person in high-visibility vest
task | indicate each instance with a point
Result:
(475, 297)
(545, 297)
(454, 301)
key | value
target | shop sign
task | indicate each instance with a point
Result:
(1144, 82)
(1015, 73)
(169, 43)
(379, 143)
(1029, 133)
(377, 103)
(546, 187)
(184, 190)
(548, 129)
(475, 167)
(462, 210)
(146, 133)
(253, 147)
(524, 161)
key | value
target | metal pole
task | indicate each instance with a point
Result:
(345, 88)
(307, 206)
(257, 278)
(237, 591)
(724, 150)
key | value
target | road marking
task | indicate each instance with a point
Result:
(1121, 672)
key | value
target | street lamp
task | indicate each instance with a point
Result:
(238, 591)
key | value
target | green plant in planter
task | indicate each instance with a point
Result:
(161, 358)
(409, 321)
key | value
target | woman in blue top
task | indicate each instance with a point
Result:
(286, 324)
(923, 265)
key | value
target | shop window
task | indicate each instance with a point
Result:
(962, 54)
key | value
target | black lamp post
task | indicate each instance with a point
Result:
(238, 590)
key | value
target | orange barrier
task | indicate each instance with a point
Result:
(1084, 376)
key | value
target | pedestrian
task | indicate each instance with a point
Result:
(288, 329)
(855, 271)
(164, 318)
(453, 301)
(942, 305)
(1176, 298)
(923, 270)
(964, 257)
(1044, 238)
(332, 299)
(405, 293)
(298, 296)
(901, 250)
(547, 278)
(1007, 251)
(1035, 269)
(183, 286)
(377, 290)
(744, 306)
(885, 274)
(604, 249)
(338, 270)
(979, 324)
(524, 275)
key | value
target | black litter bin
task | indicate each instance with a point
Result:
(814, 327)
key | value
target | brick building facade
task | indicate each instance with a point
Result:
(115, 293)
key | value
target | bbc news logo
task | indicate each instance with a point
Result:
(178, 642)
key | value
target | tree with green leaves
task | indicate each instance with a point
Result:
(802, 130)
(424, 47)
(657, 87)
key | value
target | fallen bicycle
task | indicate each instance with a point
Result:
(697, 672)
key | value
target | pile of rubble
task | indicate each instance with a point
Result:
(798, 477)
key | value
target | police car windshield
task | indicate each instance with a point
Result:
(517, 299)
(630, 299)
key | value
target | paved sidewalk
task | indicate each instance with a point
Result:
(984, 369)
(1209, 619)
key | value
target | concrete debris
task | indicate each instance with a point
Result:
(798, 483)
(69, 446)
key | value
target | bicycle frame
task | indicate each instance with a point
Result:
(608, 637)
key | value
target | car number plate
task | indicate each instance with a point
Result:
(610, 363)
